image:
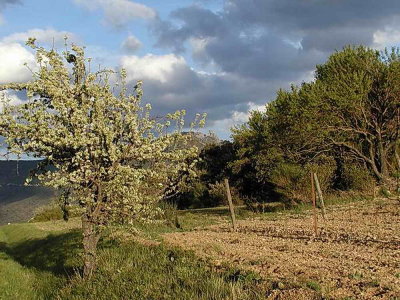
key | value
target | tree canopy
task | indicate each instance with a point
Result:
(106, 150)
(349, 113)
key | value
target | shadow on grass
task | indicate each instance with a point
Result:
(58, 254)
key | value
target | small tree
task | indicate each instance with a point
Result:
(105, 151)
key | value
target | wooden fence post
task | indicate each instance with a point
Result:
(231, 208)
(320, 197)
(314, 204)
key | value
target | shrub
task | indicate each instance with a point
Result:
(356, 177)
(170, 214)
(293, 181)
(217, 194)
(290, 181)
(193, 195)
(53, 212)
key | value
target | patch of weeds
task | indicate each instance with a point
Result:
(385, 192)
(256, 262)
(373, 283)
(217, 248)
(278, 285)
(356, 275)
(313, 285)
(246, 277)
(300, 208)
(250, 282)
(397, 275)
(189, 220)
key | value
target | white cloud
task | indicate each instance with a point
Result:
(12, 98)
(131, 44)
(13, 56)
(386, 38)
(42, 36)
(222, 128)
(154, 67)
(119, 12)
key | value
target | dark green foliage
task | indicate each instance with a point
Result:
(54, 212)
(356, 177)
(343, 126)
(215, 159)
(193, 195)
(207, 189)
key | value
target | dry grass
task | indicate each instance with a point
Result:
(356, 254)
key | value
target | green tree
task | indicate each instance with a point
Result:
(257, 154)
(107, 153)
(349, 114)
(360, 88)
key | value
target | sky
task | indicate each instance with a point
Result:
(222, 57)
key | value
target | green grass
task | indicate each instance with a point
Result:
(313, 285)
(28, 264)
(43, 260)
(134, 271)
(40, 264)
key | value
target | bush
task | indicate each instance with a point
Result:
(217, 194)
(170, 214)
(193, 195)
(54, 212)
(198, 194)
(356, 177)
(293, 181)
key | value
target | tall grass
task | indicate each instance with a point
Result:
(36, 264)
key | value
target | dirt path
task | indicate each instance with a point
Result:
(355, 256)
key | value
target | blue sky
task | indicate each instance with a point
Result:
(223, 57)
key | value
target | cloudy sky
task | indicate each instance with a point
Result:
(223, 57)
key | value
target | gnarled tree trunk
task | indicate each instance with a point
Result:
(91, 236)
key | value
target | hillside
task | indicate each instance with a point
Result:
(18, 202)
(271, 256)
(42, 261)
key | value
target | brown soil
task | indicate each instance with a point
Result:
(356, 254)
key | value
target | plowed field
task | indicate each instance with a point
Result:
(356, 254)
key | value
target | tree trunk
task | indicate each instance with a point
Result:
(397, 155)
(382, 159)
(91, 237)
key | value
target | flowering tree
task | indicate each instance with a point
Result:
(107, 153)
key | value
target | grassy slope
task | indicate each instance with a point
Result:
(41, 261)
(18, 202)
(19, 279)
(25, 203)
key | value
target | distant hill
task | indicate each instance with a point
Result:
(201, 140)
(18, 202)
